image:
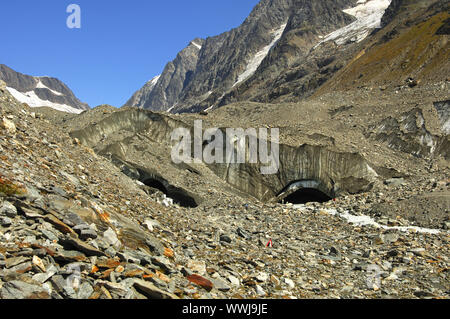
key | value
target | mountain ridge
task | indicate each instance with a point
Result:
(37, 91)
(226, 59)
(260, 61)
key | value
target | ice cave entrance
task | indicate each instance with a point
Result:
(304, 191)
(178, 195)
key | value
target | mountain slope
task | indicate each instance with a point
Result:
(41, 91)
(233, 57)
(287, 50)
(161, 92)
(403, 43)
(412, 48)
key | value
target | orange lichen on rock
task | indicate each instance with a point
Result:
(9, 188)
(169, 253)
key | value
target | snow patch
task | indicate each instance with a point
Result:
(197, 45)
(154, 80)
(256, 61)
(33, 100)
(364, 220)
(368, 14)
(41, 85)
(152, 83)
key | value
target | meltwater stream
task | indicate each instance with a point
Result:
(364, 220)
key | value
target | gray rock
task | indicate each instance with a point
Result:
(64, 287)
(31, 213)
(118, 289)
(155, 245)
(21, 268)
(262, 277)
(75, 267)
(72, 219)
(260, 291)
(33, 194)
(394, 182)
(49, 234)
(21, 290)
(390, 238)
(128, 258)
(14, 261)
(186, 271)
(111, 252)
(59, 191)
(151, 291)
(421, 252)
(88, 234)
(51, 271)
(75, 181)
(163, 263)
(197, 266)
(151, 224)
(289, 283)
(85, 290)
(5, 221)
(234, 281)
(220, 284)
(110, 237)
(225, 238)
(334, 251)
(138, 257)
(8, 209)
(72, 242)
(159, 283)
(69, 256)
(244, 234)
(79, 227)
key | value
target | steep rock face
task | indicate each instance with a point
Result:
(162, 92)
(391, 11)
(287, 50)
(295, 66)
(231, 58)
(139, 96)
(41, 91)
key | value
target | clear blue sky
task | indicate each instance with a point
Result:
(120, 46)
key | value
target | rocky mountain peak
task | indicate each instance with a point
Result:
(226, 60)
(41, 91)
(162, 92)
